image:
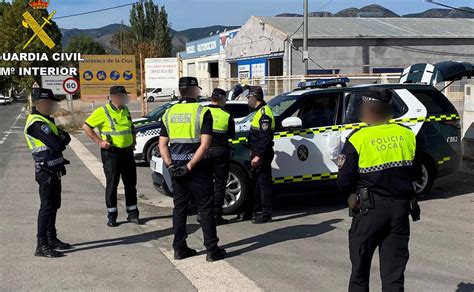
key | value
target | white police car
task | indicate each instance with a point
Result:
(313, 122)
(148, 127)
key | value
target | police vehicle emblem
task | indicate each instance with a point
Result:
(303, 153)
(341, 159)
(46, 129)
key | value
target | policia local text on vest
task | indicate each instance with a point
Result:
(377, 167)
(117, 141)
(185, 137)
(47, 143)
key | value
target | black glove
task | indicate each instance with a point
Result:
(66, 162)
(178, 171)
(415, 210)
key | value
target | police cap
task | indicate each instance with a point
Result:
(117, 89)
(256, 91)
(43, 93)
(218, 94)
(188, 82)
(377, 94)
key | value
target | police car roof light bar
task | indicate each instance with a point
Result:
(323, 83)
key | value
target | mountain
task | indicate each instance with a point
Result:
(103, 35)
(380, 11)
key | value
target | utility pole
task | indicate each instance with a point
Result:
(305, 37)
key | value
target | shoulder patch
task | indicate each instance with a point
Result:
(46, 129)
(341, 159)
(263, 111)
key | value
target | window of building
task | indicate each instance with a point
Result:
(323, 71)
(213, 69)
(386, 70)
(275, 67)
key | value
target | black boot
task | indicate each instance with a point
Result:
(198, 217)
(44, 250)
(216, 255)
(133, 217)
(262, 219)
(112, 219)
(184, 253)
(221, 221)
(55, 243)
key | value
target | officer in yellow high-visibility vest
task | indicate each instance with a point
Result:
(185, 137)
(223, 129)
(377, 167)
(47, 143)
(261, 144)
(117, 140)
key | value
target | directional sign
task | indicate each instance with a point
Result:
(71, 85)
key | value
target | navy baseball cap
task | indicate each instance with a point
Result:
(188, 81)
(376, 94)
(118, 90)
(218, 93)
(255, 91)
(43, 93)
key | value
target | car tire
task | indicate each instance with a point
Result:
(151, 99)
(237, 190)
(149, 151)
(424, 185)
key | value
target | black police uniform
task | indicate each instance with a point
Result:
(198, 184)
(388, 189)
(261, 144)
(49, 168)
(219, 152)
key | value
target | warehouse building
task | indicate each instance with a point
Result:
(273, 46)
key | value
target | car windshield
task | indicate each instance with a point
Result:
(278, 104)
(157, 113)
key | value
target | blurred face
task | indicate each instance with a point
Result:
(47, 107)
(120, 99)
(252, 101)
(373, 113)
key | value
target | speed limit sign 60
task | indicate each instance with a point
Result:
(71, 85)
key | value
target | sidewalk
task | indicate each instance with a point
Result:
(111, 259)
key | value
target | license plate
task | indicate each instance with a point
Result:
(152, 165)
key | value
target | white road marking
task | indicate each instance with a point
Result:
(10, 130)
(218, 276)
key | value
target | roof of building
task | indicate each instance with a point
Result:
(352, 27)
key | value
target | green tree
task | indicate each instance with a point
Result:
(14, 36)
(149, 32)
(85, 45)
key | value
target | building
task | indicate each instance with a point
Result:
(273, 46)
(206, 59)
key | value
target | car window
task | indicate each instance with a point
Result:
(434, 101)
(278, 104)
(353, 100)
(157, 113)
(318, 110)
(238, 110)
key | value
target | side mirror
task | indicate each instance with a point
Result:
(292, 122)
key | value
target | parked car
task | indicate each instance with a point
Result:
(5, 100)
(313, 121)
(154, 94)
(148, 128)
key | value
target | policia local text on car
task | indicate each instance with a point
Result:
(47, 143)
(117, 141)
(185, 137)
(377, 165)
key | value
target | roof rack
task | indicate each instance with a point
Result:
(323, 83)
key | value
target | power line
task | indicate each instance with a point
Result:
(451, 7)
(99, 10)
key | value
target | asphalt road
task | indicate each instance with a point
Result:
(304, 249)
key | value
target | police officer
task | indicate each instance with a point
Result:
(376, 167)
(185, 137)
(261, 144)
(117, 141)
(223, 129)
(47, 143)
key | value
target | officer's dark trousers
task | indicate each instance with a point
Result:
(119, 163)
(386, 227)
(263, 196)
(198, 184)
(220, 164)
(50, 197)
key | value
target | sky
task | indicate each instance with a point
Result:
(186, 14)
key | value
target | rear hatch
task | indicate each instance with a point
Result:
(425, 73)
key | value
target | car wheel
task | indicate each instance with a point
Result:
(425, 183)
(149, 151)
(151, 99)
(236, 191)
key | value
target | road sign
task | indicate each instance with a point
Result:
(55, 83)
(71, 85)
(35, 85)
